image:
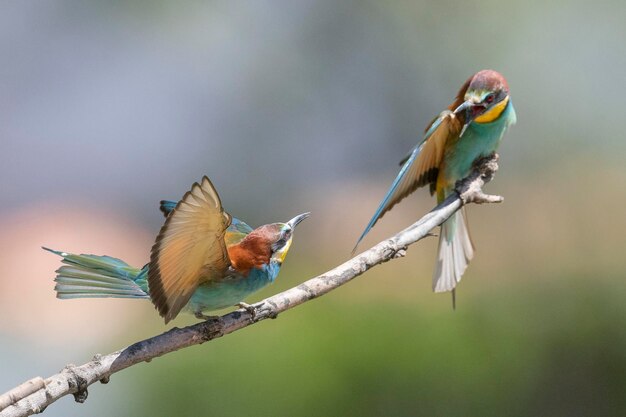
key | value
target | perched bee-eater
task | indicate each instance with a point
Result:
(203, 259)
(470, 129)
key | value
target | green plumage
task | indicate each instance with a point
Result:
(92, 276)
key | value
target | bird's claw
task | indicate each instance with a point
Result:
(470, 190)
(252, 309)
(400, 253)
(204, 317)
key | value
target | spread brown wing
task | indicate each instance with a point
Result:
(458, 100)
(427, 156)
(421, 167)
(427, 163)
(189, 249)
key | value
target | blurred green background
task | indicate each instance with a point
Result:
(292, 106)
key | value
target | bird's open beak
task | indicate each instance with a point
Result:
(464, 106)
(296, 220)
(470, 109)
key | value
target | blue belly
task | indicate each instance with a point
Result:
(231, 290)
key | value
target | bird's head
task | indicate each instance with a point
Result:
(486, 97)
(281, 237)
(266, 244)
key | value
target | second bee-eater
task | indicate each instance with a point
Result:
(203, 259)
(471, 128)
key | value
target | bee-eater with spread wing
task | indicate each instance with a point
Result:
(471, 128)
(203, 259)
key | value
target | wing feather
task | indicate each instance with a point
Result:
(422, 165)
(189, 249)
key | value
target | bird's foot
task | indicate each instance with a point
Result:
(482, 198)
(252, 309)
(470, 189)
(204, 317)
(487, 163)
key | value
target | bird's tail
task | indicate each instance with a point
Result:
(91, 276)
(454, 254)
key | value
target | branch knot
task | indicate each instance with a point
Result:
(77, 382)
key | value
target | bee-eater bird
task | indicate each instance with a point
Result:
(471, 128)
(203, 259)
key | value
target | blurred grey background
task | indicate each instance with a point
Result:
(292, 106)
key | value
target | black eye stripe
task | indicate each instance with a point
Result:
(284, 237)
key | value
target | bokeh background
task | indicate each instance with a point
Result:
(292, 106)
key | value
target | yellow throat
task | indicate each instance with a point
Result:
(282, 254)
(493, 113)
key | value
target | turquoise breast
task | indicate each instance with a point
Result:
(478, 140)
(233, 289)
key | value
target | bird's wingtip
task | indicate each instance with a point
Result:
(365, 232)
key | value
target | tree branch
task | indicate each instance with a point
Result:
(35, 395)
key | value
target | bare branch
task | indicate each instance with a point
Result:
(35, 395)
(21, 391)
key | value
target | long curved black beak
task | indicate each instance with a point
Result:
(298, 219)
(470, 109)
(464, 106)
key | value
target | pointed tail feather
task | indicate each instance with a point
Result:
(454, 254)
(91, 276)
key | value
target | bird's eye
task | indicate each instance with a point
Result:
(489, 99)
(282, 241)
(278, 245)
